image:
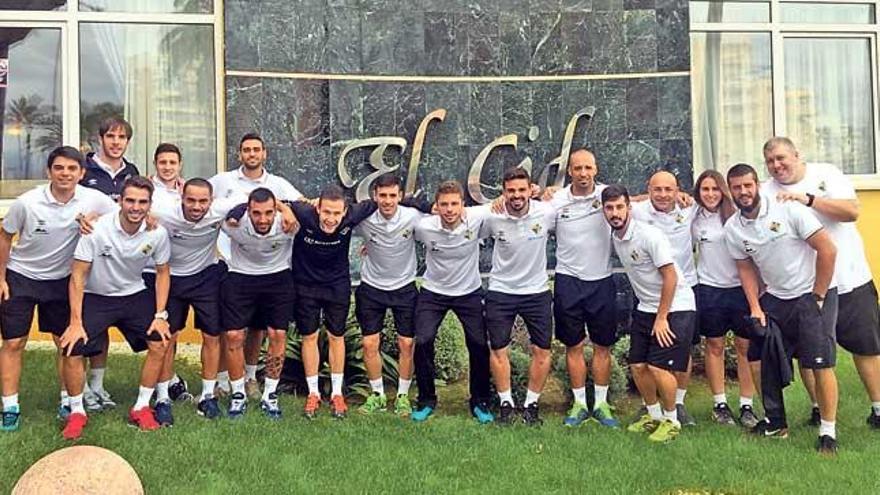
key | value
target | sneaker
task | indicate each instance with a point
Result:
(179, 390)
(63, 412)
(11, 419)
(602, 414)
(422, 414)
(91, 401)
(766, 429)
(74, 425)
(506, 413)
(252, 390)
(375, 403)
(237, 406)
(684, 416)
(665, 431)
(270, 407)
(162, 413)
(576, 415)
(873, 420)
(105, 399)
(815, 417)
(530, 415)
(313, 402)
(143, 418)
(722, 415)
(645, 424)
(402, 407)
(826, 445)
(338, 407)
(208, 408)
(747, 417)
(482, 414)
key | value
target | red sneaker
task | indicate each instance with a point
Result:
(143, 418)
(313, 402)
(338, 407)
(73, 428)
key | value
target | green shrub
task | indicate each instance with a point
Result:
(519, 373)
(450, 357)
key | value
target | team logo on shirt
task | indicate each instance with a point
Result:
(596, 204)
(747, 247)
(822, 186)
(434, 248)
(147, 249)
(679, 218)
(345, 231)
(106, 251)
(275, 245)
(635, 256)
(704, 236)
(41, 227)
(565, 213)
(501, 236)
(406, 234)
(537, 228)
(774, 226)
(92, 182)
(469, 234)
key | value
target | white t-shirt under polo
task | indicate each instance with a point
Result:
(715, 266)
(824, 180)
(390, 245)
(642, 251)
(519, 258)
(676, 225)
(193, 244)
(259, 254)
(117, 258)
(452, 257)
(48, 231)
(583, 242)
(776, 242)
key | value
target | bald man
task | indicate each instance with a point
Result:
(664, 210)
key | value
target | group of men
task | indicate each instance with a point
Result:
(142, 262)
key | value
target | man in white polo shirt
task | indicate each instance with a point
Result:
(796, 257)
(518, 285)
(663, 322)
(830, 194)
(168, 180)
(452, 283)
(106, 289)
(36, 271)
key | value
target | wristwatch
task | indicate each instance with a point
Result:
(810, 199)
(161, 315)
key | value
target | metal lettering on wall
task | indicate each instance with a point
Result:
(474, 184)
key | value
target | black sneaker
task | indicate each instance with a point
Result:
(530, 415)
(162, 413)
(815, 417)
(826, 445)
(874, 420)
(684, 416)
(722, 415)
(747, 417)
(209, 408)
(506, 413)
(178, 390)
(767, 429)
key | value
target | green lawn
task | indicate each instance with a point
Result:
(448, 454)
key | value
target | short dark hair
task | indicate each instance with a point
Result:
(332, 193)
(449, 187)
(615, 191)
(249, 136)
(260, 195)
(741, 169)
(388, 179)
(65, 152)
(198, 182)
(138, 182)
(167, 148)
(515, 173)
(111, 123)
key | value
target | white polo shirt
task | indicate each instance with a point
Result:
(676, 225)
(452, 257)
(519, 258)
(390, 244)
(163, 195)
(715, 266)
(824, 180)
(48, 231)
(583, 242)
(776, 242)
(193, 244)
(258, 254)
(117, 258)
(642, 251)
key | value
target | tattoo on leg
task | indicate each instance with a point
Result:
(273, 366)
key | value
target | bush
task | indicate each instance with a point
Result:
(519, 373)
(621, 377)
(699, 357)
(450, 351)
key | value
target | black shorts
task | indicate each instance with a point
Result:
(858, 321)
(722, 309)
(313, 302)
(645, 348)
(251, 300)
(132, 315)
(593, 302)
(535, 310)
(370, 305)
(50, 298)
(201, 291)
(807, 331)
(432, 308)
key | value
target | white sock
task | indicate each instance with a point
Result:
(672, 416)
(10, 401)
(162, 391)
(65, 398)
(144, 395)
(312, 382)
(655, 411)
(720, 398)
(679, 395)
(237, 386)
(96, 379)
(580, 395)
(207, 389)
(269, 387)
(600, 394)
(875, 406)
(250, 372)
(403, 386)
(378, 386)
(745, 401)
(531, 398)
(827, 428)
(223, 380)
(506, 396)
(335, 384)
(76, 404)
(815, 405)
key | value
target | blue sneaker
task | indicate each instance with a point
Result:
(602, 414)
(209, 408)
(422, 414)
(576, 415)
(237, 406)
(11, 419)
(63, 412)
(482, 414)
(162, 413)
(270, 407)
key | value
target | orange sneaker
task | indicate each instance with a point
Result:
(143, 418)
(338, 407)
(313, 402)
(73, 428)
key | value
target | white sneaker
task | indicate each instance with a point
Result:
(91, 401)
(105, 399)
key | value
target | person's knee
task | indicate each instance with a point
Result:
(277, 337)
(371, 345)
(715, 347)
(235, 340)
(639, 368)
(742, 346)
(14, 345)
(405, 344)
(540, 355)
(601, 352)
(575, 352)
(210, 341)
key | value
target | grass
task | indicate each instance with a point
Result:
(450, 453)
